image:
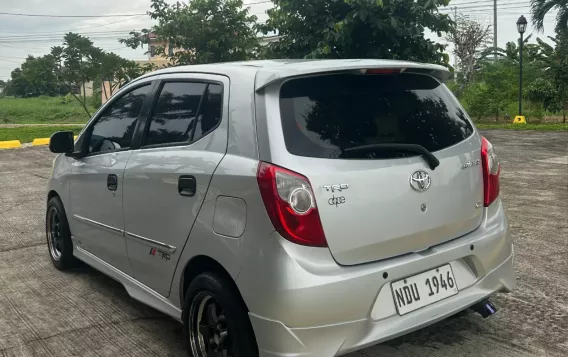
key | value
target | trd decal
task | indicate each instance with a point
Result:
(339, 187)
(163, 255)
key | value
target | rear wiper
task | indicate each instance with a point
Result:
(427, 155)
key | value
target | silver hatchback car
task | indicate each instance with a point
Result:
(286, 208)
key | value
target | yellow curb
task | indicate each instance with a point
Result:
(13, 144)
(40, 141)
(44, 141)
(10, 144)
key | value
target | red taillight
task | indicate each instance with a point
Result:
(491, 170)
(290, 204)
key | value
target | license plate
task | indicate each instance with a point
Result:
(424, 289)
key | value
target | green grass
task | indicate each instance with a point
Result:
(27, 134)
(42, 110)
(540, 127)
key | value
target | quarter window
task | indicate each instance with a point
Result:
(184, 112)
(210, 113)
(114, 129)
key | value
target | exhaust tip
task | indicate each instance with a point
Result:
(484, 308)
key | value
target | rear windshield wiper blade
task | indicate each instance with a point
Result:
(427, 155)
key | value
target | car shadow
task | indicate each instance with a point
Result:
(455, 330)
(165, 330)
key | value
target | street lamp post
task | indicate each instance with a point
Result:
(521, 27)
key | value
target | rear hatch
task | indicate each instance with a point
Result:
(374, 201)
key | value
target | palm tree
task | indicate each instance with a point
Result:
(539, 8)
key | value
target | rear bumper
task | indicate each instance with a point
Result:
(303, 304)
(276, 339)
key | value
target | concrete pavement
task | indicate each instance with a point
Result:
(44, 312)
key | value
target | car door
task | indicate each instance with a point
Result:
(167, 179)
(96, 185)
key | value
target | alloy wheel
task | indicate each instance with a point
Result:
(209, 332)
(54, 237)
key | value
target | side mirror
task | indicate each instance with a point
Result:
(61, 142)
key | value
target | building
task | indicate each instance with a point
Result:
(87, 90)
(158, 61)
(269, 39)
(153, 58)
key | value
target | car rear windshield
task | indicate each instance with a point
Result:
(323, 116)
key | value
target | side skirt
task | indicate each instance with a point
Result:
(134, 288)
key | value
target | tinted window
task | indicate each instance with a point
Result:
(210, 112)
(114, 129)
(175, 112)
(323, 116)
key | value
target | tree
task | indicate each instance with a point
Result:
(18, 86)
(556, 66)
(202, 31)
(511, 50)
(78, 62)
(2, 85)
(560, 72)
(115, 70)
(542, 90)
(35, 77)
(539, 9)
(68, 68)
(470, 39)
(357, 29)
(491, 90)
(39, 73)
(75, 65)
(494, 88)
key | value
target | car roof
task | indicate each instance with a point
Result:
(269, 71)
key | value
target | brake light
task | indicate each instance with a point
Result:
(291, 205)
(384, 70)
(491, 170)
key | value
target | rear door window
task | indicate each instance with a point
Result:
(325, 115)
(174, 114)
(184, 113)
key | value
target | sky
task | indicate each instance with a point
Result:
(21, 36)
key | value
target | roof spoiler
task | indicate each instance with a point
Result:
(266, 77)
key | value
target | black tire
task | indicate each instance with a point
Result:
(232, 314)
(59, 244)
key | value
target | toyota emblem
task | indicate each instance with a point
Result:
(420, 181)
